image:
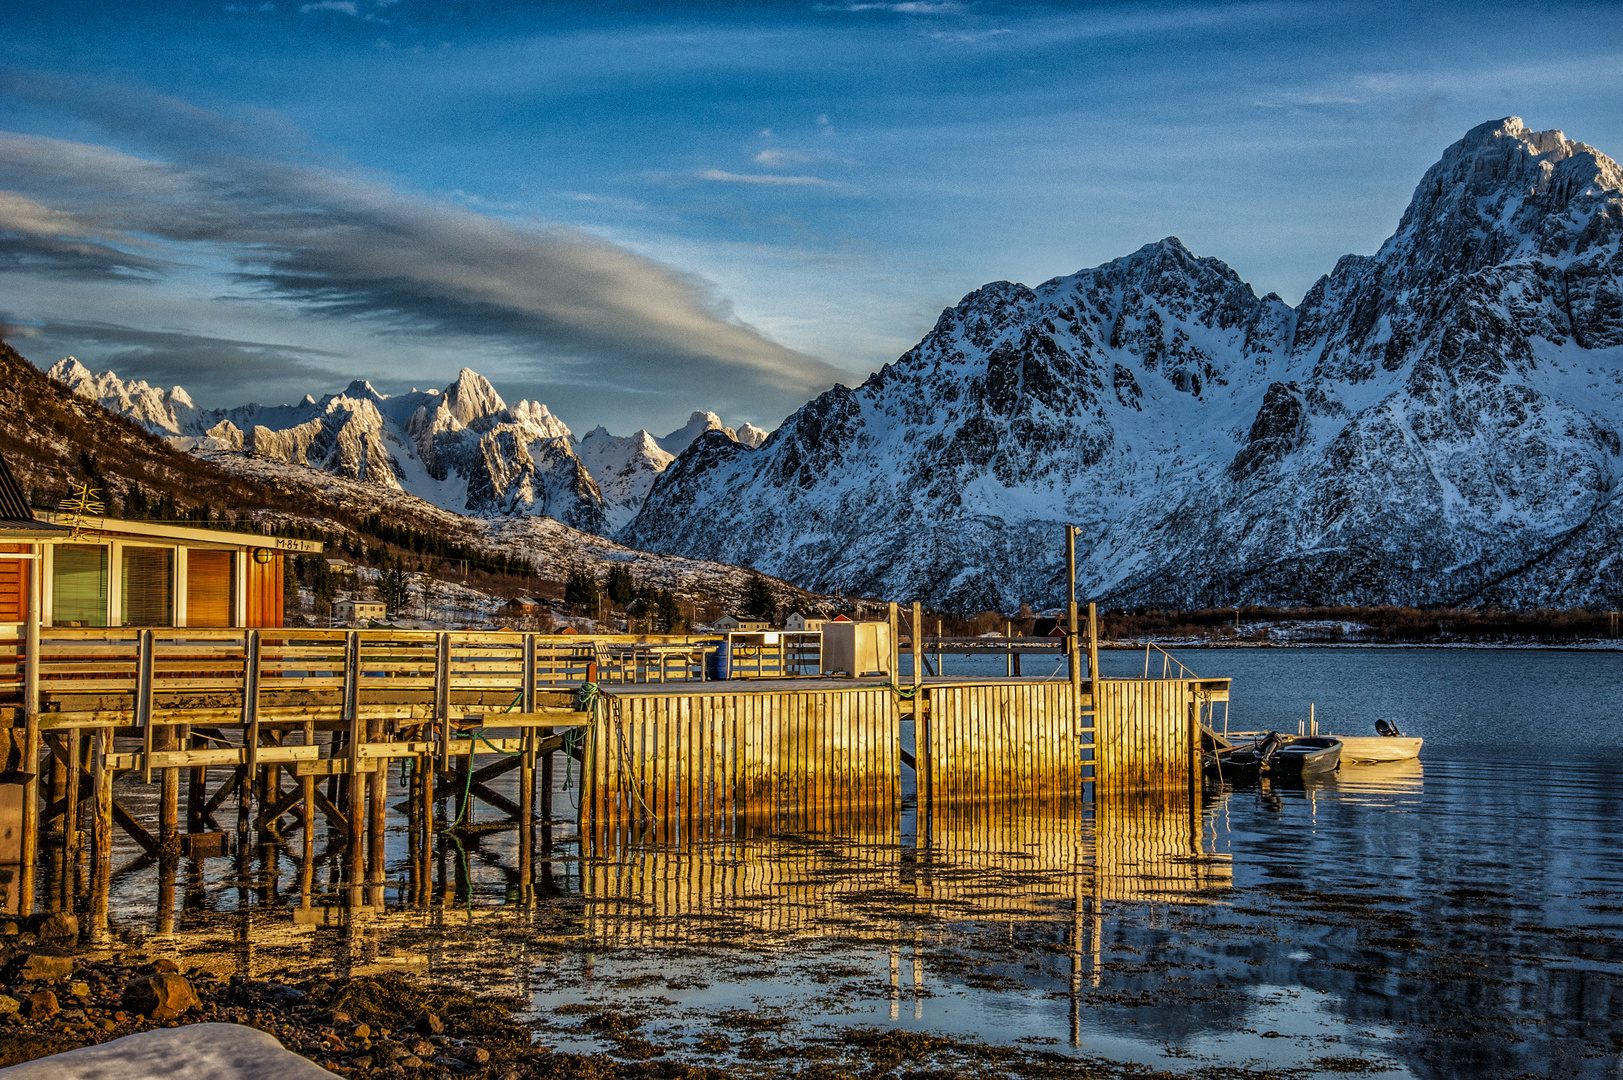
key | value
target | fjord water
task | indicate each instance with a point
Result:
(1457, 917)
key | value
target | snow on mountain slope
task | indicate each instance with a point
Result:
(462, 448)
(1438, 422)
(625, 467)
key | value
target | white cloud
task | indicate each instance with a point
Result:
(347, 7)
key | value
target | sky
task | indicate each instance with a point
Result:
(631, 211)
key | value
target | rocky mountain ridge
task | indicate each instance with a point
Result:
(463, 448)
(1439, 422)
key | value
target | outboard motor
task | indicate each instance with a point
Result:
(1267, 748)
(1387, 729)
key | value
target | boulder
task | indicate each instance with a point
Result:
(40, 1005)
(45, 965)
(429, 1024)
(9, 1005)
(163, 996)
(59, 926)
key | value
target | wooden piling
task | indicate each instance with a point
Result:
(355, 806)
(70, 820)
(917, 634)
(102, 834)
(31, 747)
(248, 771)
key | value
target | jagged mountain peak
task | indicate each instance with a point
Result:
(472, 397)
(700, 422)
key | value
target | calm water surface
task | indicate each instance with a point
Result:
(1461, 917)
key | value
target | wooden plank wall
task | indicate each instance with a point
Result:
(798, 761)
(1144, 734)
(1010, 741)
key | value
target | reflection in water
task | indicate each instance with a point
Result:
(1454, 920)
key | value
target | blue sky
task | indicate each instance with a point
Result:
(633, 211)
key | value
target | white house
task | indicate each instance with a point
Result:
(353, 611)
(735, 625)
(801, 624)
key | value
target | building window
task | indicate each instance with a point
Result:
(208, 587)
(149, 586)
(79, 585)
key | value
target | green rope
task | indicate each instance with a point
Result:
(905, 693)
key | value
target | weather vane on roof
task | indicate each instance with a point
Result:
(84, 500)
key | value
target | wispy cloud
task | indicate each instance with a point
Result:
(344, 245)
(768, 179)
(906, 7)
(346, 7)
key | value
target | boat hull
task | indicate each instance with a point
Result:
(1367, 749)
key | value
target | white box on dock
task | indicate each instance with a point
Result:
(856, 648)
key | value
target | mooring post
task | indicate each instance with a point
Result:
(30, 822)
(1008, 656)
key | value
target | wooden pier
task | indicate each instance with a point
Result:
(273, 735)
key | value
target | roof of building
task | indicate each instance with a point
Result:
(16, 516)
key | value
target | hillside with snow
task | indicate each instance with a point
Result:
(1436, 423)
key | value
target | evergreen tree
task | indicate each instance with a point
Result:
(581, 593)
(620, 585)
(393, 587)
(758, 599)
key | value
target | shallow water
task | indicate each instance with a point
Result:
(1463, 918)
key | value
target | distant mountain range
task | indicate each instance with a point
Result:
(463, 448)
(1438, 423)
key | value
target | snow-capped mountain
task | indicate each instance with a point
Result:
(1436, 423)
(462, 448)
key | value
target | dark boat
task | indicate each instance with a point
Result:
(1277, 755)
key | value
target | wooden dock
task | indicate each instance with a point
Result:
(284, 733)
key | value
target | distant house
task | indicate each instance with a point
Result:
(524, 606)
(801, 624)
(352, 611)
(745, 625)
(337, 565)
(1051, 628)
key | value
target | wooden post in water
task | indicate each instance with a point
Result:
(70, 821)
(1073, 639)
(355, 810)
(894, 662)
(1093, 642)
(248, 772)
(917, 626)
(307, 785)
(526, 781)
(30, 763)
(101, 878)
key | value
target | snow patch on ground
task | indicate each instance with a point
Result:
(193, 1052)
